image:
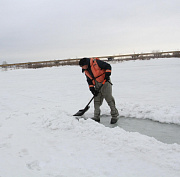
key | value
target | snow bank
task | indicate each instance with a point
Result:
(148, 89)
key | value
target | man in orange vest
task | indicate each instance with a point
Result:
(96, 72)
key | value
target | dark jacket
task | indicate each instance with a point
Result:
(101, 64)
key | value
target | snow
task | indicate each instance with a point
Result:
(39, 137)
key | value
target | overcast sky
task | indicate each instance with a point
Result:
(36, 30)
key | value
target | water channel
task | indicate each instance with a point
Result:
(166, 133)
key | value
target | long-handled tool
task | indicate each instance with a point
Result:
(82, 111)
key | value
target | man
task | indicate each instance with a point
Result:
(96, 72)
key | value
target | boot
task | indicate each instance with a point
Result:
(114, 120)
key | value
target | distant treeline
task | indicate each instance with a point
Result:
(120, 58)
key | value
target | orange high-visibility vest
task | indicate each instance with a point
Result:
(98, 73)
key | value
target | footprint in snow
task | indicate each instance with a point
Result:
(34, 165)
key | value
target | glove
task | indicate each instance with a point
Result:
(107, 74)
(94, 92)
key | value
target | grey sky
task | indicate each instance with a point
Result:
(35, 30)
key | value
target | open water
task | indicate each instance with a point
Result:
(166, 133)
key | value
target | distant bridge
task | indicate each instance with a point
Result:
(126, 57)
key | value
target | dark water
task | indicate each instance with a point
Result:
(166, 133)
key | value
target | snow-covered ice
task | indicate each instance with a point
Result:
(39, 137)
